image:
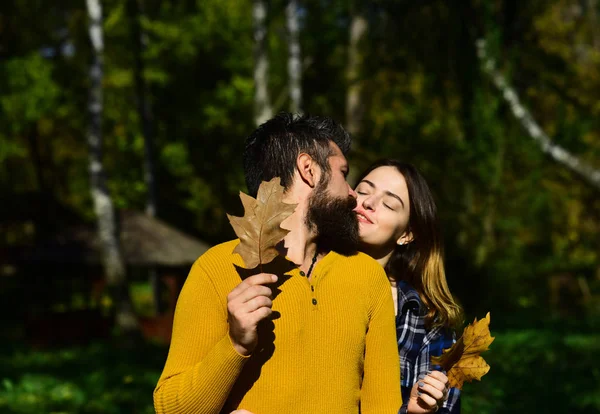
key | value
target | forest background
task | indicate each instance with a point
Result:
(143, 105)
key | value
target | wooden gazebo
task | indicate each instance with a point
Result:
(69, 262)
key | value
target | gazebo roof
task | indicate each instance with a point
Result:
(145, 241)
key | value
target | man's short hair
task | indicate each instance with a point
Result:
(272, 149)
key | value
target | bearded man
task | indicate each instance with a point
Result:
(314, 337)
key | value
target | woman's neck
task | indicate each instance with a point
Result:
(380, 254)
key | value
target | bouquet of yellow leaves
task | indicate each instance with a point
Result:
(462, 361)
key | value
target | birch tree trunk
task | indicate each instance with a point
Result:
(354, 104)
(262, 103)
(294, 57)
(556, 152)
(114, 267)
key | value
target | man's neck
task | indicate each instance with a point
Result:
(300, 242)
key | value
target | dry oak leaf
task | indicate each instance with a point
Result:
(259, 230)
(462, 361)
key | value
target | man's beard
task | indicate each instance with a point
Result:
(334, 220)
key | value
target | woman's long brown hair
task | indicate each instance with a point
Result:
(421, 262)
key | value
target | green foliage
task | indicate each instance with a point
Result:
(94, 379)
(531, 368)
(29, 91)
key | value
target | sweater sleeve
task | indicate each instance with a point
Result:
(380, 391)
(202, 365)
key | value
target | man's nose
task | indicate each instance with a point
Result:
(351, 192)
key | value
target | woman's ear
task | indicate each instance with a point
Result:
(308, 169)
(406, 238)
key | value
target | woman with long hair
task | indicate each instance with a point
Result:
(398, 226)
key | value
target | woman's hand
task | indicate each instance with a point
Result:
(428, 393)
(241, 412)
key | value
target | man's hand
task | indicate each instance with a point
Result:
(248, 304)
(428, 393)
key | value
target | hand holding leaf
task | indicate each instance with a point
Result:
(462, 361)
(249, 303)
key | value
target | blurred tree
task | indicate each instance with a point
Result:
(355, 106)
(114, 266)
(557, 153)
(295, 56)
(140, 41)
(262, 101)
(137, 17)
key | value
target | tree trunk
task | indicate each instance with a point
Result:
(140, 42)
(262, 104)
(354, 105)
(114, 267)
(294, 57)
(591, 10)
(590, 174)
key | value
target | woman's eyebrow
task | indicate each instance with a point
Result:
(389, 193)
(396, 197)
(368, 182)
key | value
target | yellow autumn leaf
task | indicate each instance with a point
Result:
(259, 230)
(462, 361)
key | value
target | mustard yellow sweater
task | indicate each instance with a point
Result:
(330, 348)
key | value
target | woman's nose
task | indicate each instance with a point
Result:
(368, 203)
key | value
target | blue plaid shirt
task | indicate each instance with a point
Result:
(416, 345)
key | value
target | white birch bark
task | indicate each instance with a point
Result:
(262, 104)
(112, 260)
(556, 152)
(294, 57)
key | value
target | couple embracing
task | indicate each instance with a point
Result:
(347, 322)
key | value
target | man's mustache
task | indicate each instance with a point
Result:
(352, 203)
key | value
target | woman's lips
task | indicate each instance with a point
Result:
(363, 218)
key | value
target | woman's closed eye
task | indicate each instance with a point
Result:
(391, 203)
(363, 189)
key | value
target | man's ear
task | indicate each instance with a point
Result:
(406, 238)
(308, 169)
